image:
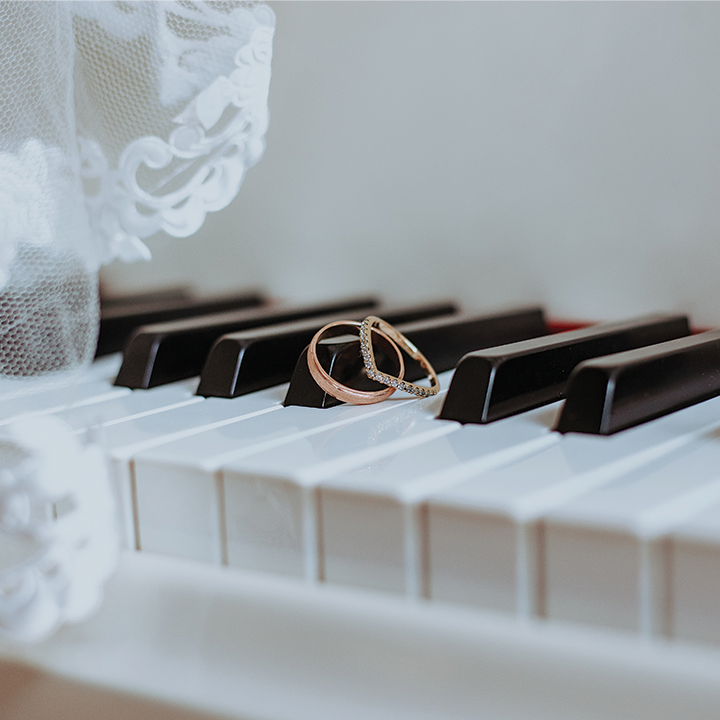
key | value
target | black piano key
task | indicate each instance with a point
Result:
(166, 352)
(176, 293)
(443, 342)
(492, 384)
(243, 362)
(119, 318)
(616, 392)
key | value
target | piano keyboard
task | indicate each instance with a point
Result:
(567, 544)
(511, 516)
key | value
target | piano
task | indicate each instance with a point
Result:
(376, 561)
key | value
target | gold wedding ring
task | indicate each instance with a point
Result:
(337, 389)
(372, 324)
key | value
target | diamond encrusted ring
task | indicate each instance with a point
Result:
(342, 392)
(373, 324)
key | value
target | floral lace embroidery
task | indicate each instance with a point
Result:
(219, 136)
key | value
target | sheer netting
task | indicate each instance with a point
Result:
(117, 120)
(48, 263)
(171, 111)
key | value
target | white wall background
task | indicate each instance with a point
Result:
(498, 153)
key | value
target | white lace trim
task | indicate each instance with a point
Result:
(219, 136)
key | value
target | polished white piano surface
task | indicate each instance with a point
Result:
(372, 561)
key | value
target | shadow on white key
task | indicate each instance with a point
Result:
(179, 486)
(484, 536)
(606, 553)
(270, 497)
(146, 430)
(694, 582)
(371, 534)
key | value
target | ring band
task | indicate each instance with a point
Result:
(373, 323)
(337, 389)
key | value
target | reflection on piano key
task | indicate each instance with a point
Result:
(174, 423)
(179, 487)
(372, 529)
(271, 499)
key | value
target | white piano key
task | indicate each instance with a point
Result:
(694, 584)
(179, 488)
(92, 402)
(147, 430)
(483, 535)
(270, 501)
(132, 405)
(56, 399)
(370, 521)
(606, 552)
(91, 384)
(104, 368)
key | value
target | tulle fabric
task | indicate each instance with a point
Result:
(117, 120)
